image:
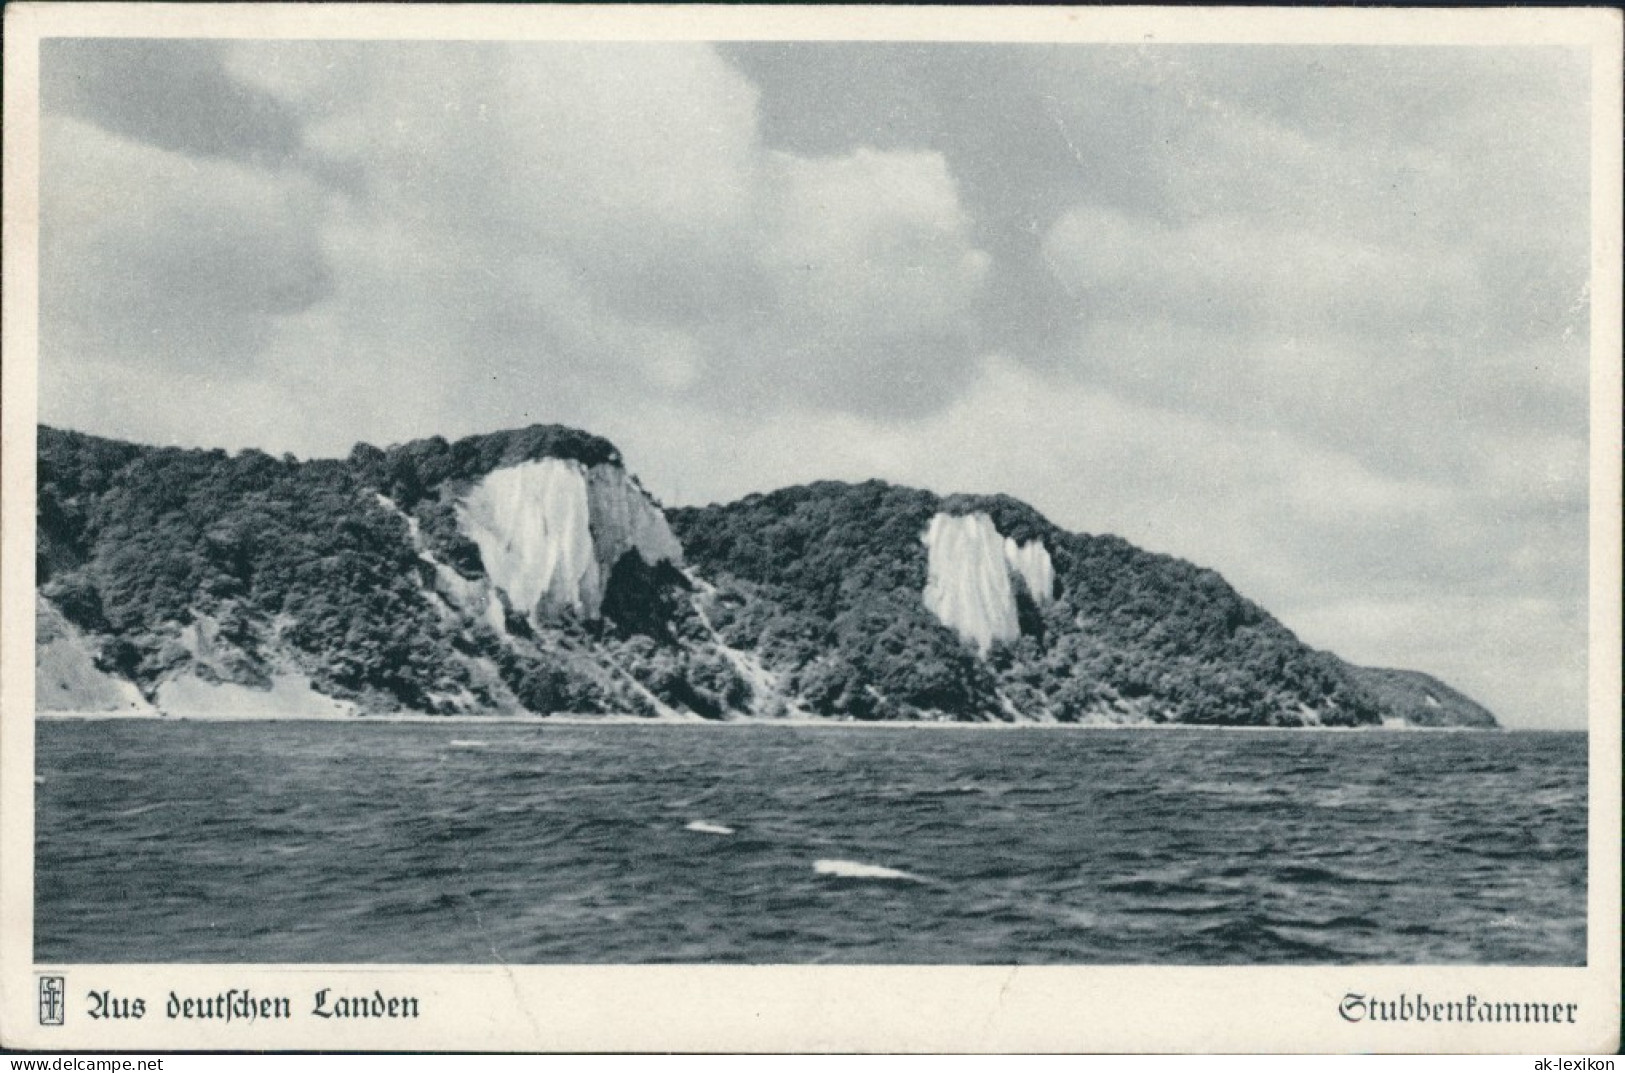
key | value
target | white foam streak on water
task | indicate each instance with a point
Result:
(707, 828)
(466, 743)
(859, 870)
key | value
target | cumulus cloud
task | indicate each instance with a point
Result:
(605, 154)
(871, 243)
(172, 94)
(1387, 350)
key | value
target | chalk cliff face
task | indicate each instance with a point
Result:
(527, 571)
(551, 531)
(1031, 563)
(66, 677)
(973, 575)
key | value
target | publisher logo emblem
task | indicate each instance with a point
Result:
(53, 1000)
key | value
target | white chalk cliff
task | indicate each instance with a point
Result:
(970, 570)
(550, 531)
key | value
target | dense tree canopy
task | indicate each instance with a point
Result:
(836, 572)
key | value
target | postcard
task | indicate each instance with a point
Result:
(711, 528)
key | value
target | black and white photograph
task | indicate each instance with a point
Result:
(725, 497)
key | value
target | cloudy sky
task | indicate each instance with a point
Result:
(1313, 316)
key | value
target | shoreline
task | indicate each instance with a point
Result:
(577, 720)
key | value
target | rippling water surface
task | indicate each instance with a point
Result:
(457, 842)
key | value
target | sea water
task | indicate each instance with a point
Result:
(535, 843)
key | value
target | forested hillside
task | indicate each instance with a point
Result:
(196, 577)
